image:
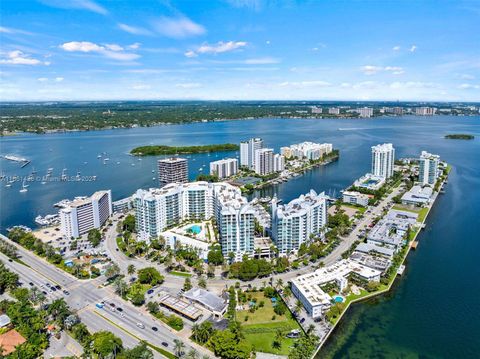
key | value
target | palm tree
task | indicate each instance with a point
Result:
(192, 354)
(311, 329)
(178, 348)
(279, 282)
(298, 306)
(131, 269)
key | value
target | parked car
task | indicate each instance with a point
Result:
(140, 325)
(155, 329)
(165, 344)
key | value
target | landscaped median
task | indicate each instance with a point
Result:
(154, 347)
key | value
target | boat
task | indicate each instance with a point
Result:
(153, 179)
(105, 160)
(33, 171)
(24, 187)
(133, 164)
(153, 171)
(47, 220)
(64, 174)
(118, 162)
(78, 176)
(8, 185)
(15, 158)
(99, 156)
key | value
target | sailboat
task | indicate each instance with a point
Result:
(24, 187)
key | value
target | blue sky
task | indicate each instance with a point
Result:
(240, 50)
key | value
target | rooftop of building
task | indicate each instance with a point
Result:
(80, 201)
(382, 147)
(309, 284)
(206, 298)
(367, 248)
(172, 160)
(302, 203)
(418, 194)
(9, 341)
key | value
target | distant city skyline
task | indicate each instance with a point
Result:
(54, 50)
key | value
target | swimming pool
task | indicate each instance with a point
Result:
(338, 299)
(195, 229)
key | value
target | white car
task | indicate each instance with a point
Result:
(140, 325)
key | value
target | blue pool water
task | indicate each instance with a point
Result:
(338, 299)
(196, 229)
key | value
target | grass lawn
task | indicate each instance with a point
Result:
(422, 212)
(260, 329)
(181, 274)
(137, 288)
(358, 208)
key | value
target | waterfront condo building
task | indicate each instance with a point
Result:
(425, 111)
(172, 170)
(334, 111)
(309, 150)
(293, 223)
(264, 161)
(79, 216)
(224, 168)
(365, 112)
(383, 158)
(428, 168)
(278, 163)
(158, 209)
(247, 152)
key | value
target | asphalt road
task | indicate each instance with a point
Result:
(85, 294)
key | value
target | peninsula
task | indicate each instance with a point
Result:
(459, 136)
(172, 150)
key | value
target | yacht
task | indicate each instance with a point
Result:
(64, 174)
(24, 187)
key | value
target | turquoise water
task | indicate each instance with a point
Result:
(338, 299)
(195, 229)
(434, 309)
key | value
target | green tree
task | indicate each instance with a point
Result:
(149, 275)
(112, 270)
(179, 347)
(129, 223)
(94, 237)
(141, 351)
(106, 344)
(131, 269)
(215, 256)
(225, 345)
(187, 285)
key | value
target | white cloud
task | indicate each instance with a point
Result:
(413, 48)
(262, 61)
(140, 87)
(466, 77)
(135, 30)
(10, 30)
(42, 79)
(134, 46)
(88, 5)
(372, 70)
(81, 46)
(413, 85)
(218, 48)
(17, 57)
(190, 53)
(189, 85)
(305, 84)
(59, 79)
(178, 28)
(114, 47)
(112, 51)
(468, 87)
(250, 4)
(396, 48)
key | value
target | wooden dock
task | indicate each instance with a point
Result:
(414, 244)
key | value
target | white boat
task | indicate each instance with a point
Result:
(8, 185)
(99, 156)
(153, 171)
(24, 187)
(118, 162)
(64, 174)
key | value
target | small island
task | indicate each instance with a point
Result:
(173, 150)
(459, 136)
